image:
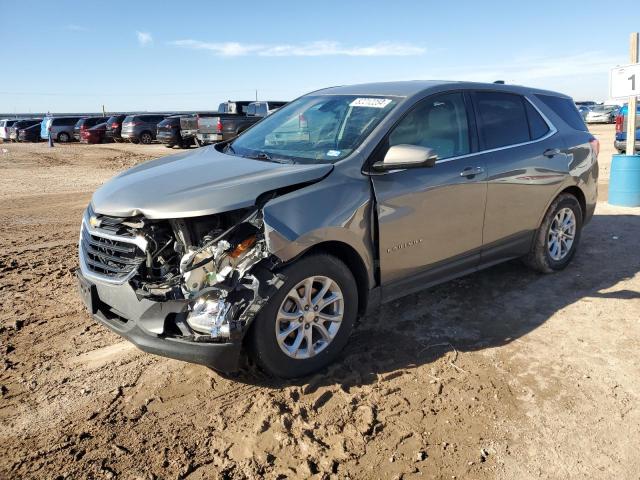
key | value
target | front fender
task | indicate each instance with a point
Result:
(336, 209)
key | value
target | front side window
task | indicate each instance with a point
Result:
(314, 129)
(503, 120)
(439, 123)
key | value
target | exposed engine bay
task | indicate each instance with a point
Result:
(217, 264)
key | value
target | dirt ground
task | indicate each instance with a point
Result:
(503, 374)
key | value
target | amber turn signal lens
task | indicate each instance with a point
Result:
(243, 246)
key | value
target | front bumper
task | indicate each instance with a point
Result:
(144, 323)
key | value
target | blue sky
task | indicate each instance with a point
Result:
(184, 55)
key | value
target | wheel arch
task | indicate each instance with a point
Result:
(350, 257)
(574, 190)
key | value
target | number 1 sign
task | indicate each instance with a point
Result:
(624, 81)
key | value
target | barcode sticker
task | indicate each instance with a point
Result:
(370, 102)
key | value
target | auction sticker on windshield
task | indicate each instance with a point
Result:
(370, 102)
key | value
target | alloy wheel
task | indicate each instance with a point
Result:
(561, 234)
(309, 317)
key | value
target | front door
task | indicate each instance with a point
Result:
(430, 219)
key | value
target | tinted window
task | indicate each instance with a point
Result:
(439, 122)
(566, 110)
(128, 119)
(537, 126)
(502, 119)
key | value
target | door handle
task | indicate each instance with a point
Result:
(551, 152)
(471, 171)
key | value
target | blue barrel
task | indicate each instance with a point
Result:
(624, 183)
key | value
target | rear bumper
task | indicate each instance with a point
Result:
(207, 138)
(143, 323)
(621, 145)
(168, 138)
(112, 134)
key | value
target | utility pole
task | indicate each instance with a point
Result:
(633, 102)
(256, 94)
(103, 112)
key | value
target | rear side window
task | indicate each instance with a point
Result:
(538, 128)
(566, 110)
(128, 119)
(502, 118)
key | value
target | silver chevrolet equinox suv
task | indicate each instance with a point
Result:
(272, 244)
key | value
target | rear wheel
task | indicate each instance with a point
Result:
(307, 323)
(168, 145)
(146, 138)
(63, 137)
(557, 238)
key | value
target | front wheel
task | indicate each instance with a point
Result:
(308, 322)
(557, 238)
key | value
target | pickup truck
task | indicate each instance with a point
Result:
(231, 119)
(620, 142)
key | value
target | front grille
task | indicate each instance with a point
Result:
(114, 258)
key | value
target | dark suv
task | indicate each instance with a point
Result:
(85, 124)
(141, 128)
(345, 198)
(114, 127)
(169, 133)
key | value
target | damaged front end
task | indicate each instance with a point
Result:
(216, 269)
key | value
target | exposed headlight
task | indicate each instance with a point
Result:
(209, 316)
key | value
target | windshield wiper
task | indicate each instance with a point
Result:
(266, 157)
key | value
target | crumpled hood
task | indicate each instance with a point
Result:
(191, 184)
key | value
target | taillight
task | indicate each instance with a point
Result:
(219, 126)
(114, 125)
(198, 122)
(619, 122)
(302, 122)
(595, 146)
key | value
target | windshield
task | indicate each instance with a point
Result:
(314, 129)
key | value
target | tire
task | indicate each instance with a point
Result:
(263, 345)
(169, 146)
(146, 138)
(541, 256)
(64, 137)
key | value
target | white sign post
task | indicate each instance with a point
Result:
(624, 81)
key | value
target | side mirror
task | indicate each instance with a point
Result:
(406, 156)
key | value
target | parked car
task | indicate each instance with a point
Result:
(85, 124)
(620, 142)
(141, 128)
(345, 198)
(169, 133)
(584, 111)
(602, 114)
(30, 134)
(15, 128)
(262, 109)
(60, 128)
(114, 127)
(231, 119)
(588, 103)
(95, 134)
(5, 125)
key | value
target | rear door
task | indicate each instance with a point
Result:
(526, 161)
(430, 219)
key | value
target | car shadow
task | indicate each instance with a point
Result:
(487, 309)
